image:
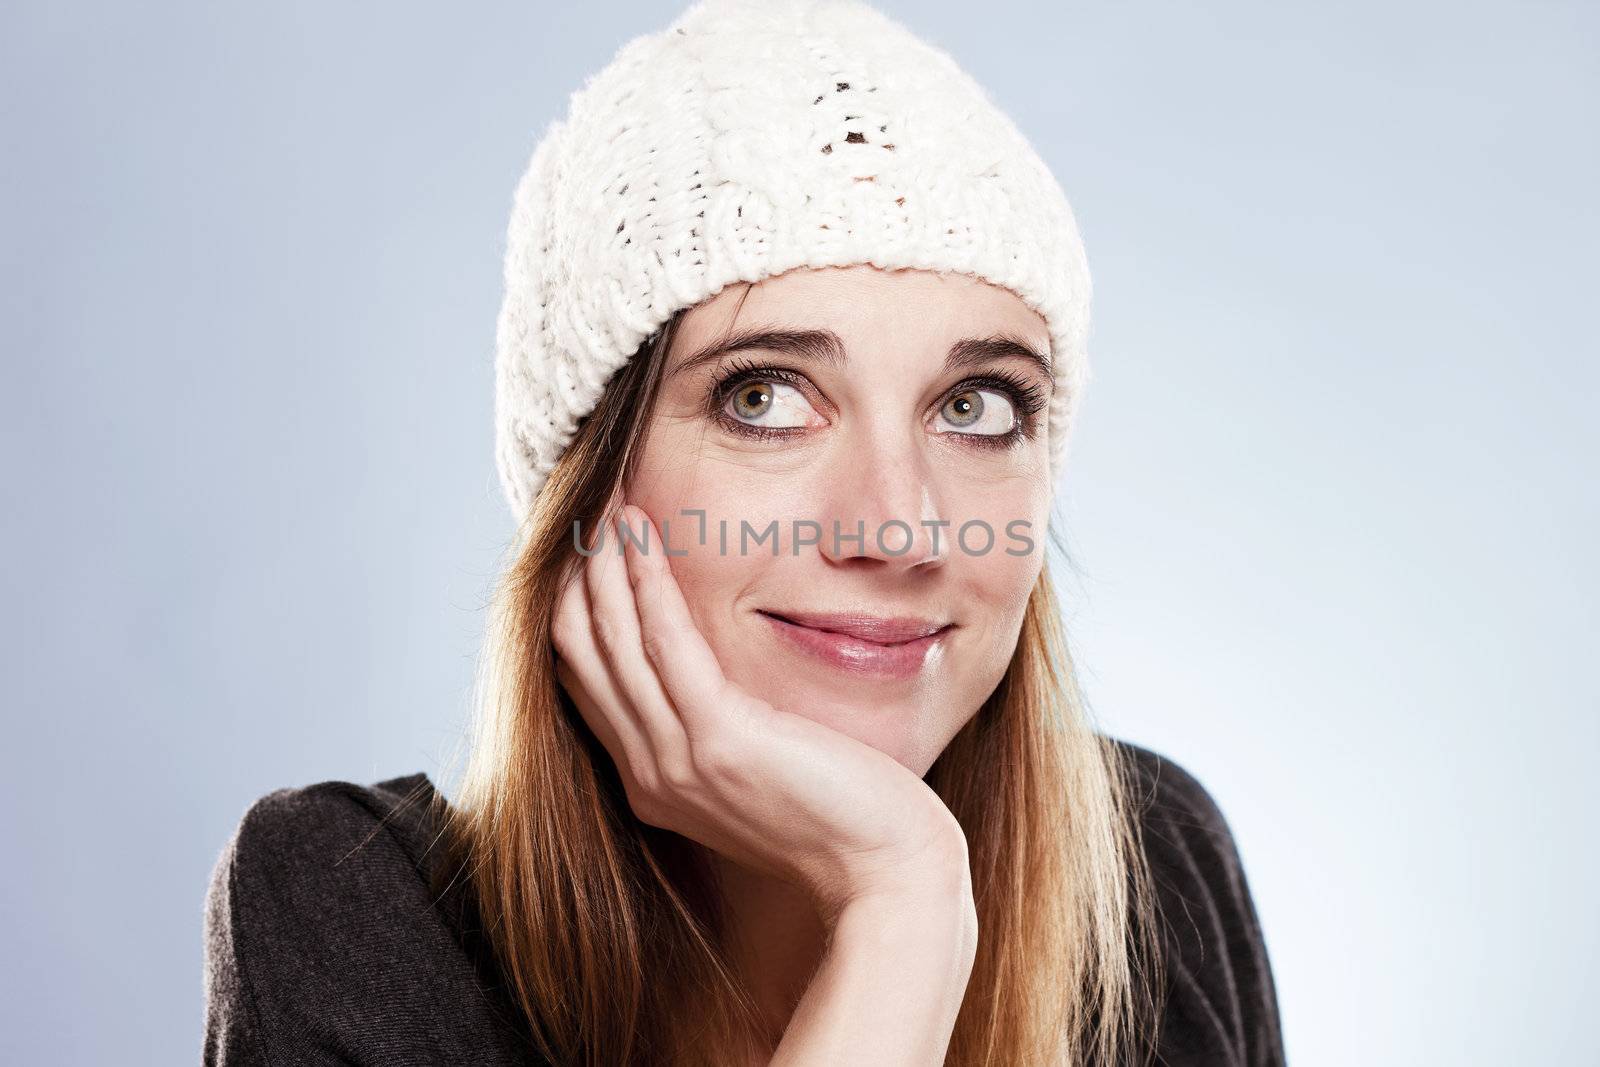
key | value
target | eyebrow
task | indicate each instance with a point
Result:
(825, 347)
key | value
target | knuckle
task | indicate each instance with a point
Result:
(606, 631)
(642, 782)
(644, 777)
(645, 808)
(713, 755)
(678, 775)
(656, 645)
(643, 787)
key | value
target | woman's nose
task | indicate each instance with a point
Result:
(884, 507)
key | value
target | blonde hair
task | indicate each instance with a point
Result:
(606, 929)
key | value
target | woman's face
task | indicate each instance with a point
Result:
(899, 410)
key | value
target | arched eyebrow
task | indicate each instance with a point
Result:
(825, 347)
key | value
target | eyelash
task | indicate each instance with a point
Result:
(1025, 396)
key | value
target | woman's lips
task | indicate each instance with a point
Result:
(866, 645)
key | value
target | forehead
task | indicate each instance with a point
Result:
(865, 305)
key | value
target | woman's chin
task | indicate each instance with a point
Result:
(900, 726)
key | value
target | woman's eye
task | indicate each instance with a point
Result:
(775, 405)
(978, 411)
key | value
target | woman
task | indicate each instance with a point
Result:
(780, 757)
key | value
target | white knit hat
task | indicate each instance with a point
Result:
(748, 138)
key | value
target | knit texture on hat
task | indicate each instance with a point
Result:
(748, 138)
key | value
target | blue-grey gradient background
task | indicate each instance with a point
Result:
(1331, 500)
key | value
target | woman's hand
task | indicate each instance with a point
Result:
(770, 789)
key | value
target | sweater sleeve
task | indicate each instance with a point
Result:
(323, 945)
(232, 1031)
(1222, 1007)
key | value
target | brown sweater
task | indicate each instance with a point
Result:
(324, 943)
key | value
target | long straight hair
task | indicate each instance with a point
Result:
(607, 932)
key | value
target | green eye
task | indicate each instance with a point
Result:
(775, 405)
(752, 401)
(979, 411)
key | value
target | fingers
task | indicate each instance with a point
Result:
(617, 631)
(583, 672)
(688, 670)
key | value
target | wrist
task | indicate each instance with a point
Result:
(935, 924)
(936, 892)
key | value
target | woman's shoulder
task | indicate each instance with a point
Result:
(1222, 1003)
(311, 860)
(305, 835)
(1186, 837)
(1170, 798)
(325, 940)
